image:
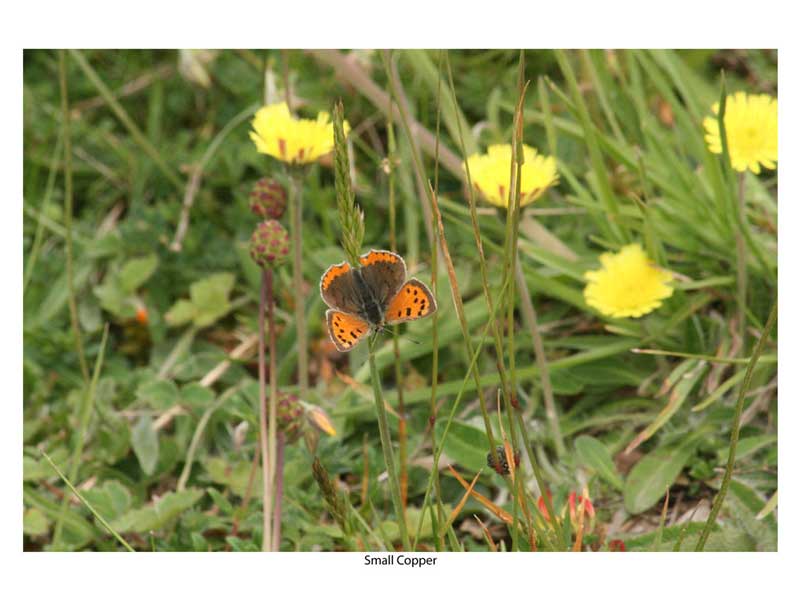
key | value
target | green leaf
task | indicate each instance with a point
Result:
(221, 501)
(234, 475)
(77, 531)
(392, 531)
(750, 445)
(111, 500)
(144, 440)
(33, 469)
(160, 514)
(210, 297)
(466, 445)
(197, 395)
(136, 271)
(652, 475)
(34, 522)
(593, 454)
(113, 299)
(159, 394)
(181, 313)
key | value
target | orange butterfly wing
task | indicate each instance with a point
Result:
(413, 301)
(345, 330)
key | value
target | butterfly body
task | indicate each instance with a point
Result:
(371, 309)
(371, 296)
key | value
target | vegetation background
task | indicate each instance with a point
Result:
(160, 439)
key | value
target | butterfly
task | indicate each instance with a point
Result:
(369, 297)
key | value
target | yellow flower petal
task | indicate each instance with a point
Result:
(277, 133)
(628, 285)
(491, 173)
(751, 126)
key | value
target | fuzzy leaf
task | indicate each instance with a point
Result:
(593, 454)
(210, 297)
(181, 313)
(652, 475)
(160, 394)
(136, 271)
(465, 445)
(144, 440)
(158, 515)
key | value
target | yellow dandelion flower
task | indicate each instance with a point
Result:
(628, 285)
(491, 172)
(299, 141)
(751, 126)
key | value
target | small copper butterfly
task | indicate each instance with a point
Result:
(371, 296)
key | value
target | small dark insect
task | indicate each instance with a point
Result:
(502, 466)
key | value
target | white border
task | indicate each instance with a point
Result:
(411, 23)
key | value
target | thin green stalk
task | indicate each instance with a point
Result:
(599, 91)
(496, 330)
(660, 532)
(386, 444)
(38, 237)
(296, 215)
(464, 385)
(705, 357)
(88, 505)
(198, 435)
(84, 415)
(741, 265)
(435, 318)
(737, 416)
(123, 116)
(352, 223)
(263, 409)
(398, 370)
(509, 266)
(197, 174)
(539, 476)
(529, 316)
(547, 117)
(435, 210)
(273, 402)
(73, 303)
(599, 170)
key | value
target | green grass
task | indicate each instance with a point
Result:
(140, 201)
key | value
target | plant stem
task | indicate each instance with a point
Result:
(296, 210)
(273, 394)
(91, 508)
(529, 316)
(435, 318)
(398, 369)
(84, 417)
(741, 265)
(276, 521)
(38, 237)
(386, 444)
(737, 416)
(125, 119)
(266, 282)
(73, 303)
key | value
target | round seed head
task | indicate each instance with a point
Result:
(269, 244)
(268, 199)
(290, 416)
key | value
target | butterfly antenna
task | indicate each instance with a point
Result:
(410, 339)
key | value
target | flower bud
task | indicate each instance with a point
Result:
(268, 199)
(269, 245)
(290, 416)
